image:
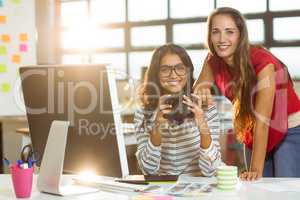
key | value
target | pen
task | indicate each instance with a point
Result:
(138, 182)
(30, 163)
(6, 161)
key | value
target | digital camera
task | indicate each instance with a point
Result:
(179, 110)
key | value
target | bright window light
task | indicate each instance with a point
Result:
(74, 13)
(193, 33)
(290, 57)
(90, 37)
(108, 11)
(256, 30)
(148, 36)
(283, 28)
(192, 8)
(109, 38)
(253, 6)
(75, 59)
(144, 10)
(117, 62)
(277, 5)
(197, 57)
(137, 60)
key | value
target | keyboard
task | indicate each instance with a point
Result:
(110, 185)
(76, 189)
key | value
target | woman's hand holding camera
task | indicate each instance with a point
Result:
(195, 105)
(198, 104)
(163, 108)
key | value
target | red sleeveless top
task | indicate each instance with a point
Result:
(285, 102)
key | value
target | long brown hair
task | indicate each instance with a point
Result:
(243, 73)
(151, 89)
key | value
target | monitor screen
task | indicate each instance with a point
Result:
(86, 96)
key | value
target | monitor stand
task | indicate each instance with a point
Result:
(50, 179)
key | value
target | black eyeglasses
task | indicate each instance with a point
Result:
(166, 70)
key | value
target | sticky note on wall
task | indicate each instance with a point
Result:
(3, 68)
(5, 87)
(2, 19)
(23, 37)
(3, 50)
(23, 48)
(16, 58)
(5, 38)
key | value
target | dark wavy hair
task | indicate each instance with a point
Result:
(151, 88)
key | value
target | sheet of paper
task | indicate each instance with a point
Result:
(280, 186)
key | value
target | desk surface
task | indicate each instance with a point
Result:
(267, 188)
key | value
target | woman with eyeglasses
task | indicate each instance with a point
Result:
(183, 144)
(266, 107)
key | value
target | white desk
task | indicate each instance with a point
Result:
(265, 189)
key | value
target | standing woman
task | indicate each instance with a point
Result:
(266, 107)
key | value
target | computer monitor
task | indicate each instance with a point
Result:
(86, 96)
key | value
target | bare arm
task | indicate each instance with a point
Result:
(209, 126)
(205, 79)
(263, 111)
